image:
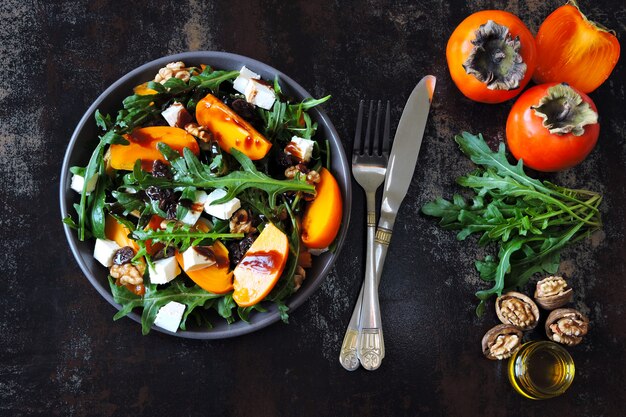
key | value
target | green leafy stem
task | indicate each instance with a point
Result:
(189, 171)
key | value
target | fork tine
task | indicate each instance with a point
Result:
(376, 146)
(367, 149)
(356, 146)
(386, 136)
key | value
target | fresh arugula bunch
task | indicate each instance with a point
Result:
(531, 221)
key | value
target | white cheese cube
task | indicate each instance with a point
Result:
(317, 252)
(78, 181)
(169, 316)
(300, 148)
(176, 115)
(104, 251)
(245, 75)
(224, 210)
(195, 258)
(260, 94)
(164, 270)
(196, 208)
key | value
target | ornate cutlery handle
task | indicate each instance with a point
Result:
(370, 348)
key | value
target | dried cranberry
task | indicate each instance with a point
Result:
(123, 255)
(161, 170)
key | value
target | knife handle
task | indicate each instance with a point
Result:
(370, 348)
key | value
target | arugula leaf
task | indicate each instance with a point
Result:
(180, 236)
(189, 171)
(531, 221)
(154, 299)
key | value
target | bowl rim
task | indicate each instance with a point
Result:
(333, 136)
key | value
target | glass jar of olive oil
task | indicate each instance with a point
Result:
(541, 370)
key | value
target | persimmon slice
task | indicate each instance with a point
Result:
(143, 145)
(261, 267)
(216, 278)
(322, 216)
(229, 129)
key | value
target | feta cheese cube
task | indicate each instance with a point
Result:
(164, 270)
(300, 148)
(245, 75)
(260, 94)
(176, 115)
(224, 210)
(196, 258)
(104, 251)
(78, 181)
(169, 316)
(194, 212)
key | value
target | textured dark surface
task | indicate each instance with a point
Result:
(60, 352)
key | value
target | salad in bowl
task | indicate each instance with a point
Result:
(207, 198)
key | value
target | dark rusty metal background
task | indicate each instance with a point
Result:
(61, 353)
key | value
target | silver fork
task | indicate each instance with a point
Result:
(363, 340)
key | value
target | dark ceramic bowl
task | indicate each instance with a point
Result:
(82, 143)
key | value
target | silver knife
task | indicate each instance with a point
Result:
(364, 337)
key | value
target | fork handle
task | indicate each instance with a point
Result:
(371, 347)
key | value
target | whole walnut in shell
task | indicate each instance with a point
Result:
(518, 310)
(501, 341)
(567, 326)
(552, 292)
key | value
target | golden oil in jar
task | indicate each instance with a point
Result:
(541, 370)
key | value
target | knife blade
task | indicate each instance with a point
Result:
(404, 151)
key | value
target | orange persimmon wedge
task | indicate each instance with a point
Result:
(261, 267)
(574, 50)
(322, 216)
(229, 129)
(216, 278)
(143, 145)
(143, 90)
(118, 233)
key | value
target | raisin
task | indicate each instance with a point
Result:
(153, 193)
(237, 250)
(285, 160)
(123, 255)
(245, 109)
(161, 170)
(166, 252)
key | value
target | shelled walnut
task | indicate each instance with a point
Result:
(128, 273)
(567, 326)
(518, 310)
(173, 69)
(240, 222)
(552, 292)
(501, 341)
(198, 131)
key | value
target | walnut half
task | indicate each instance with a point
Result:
(552, 292)
(567, 326)
(501, 342)
(128, 273)
(518, 310)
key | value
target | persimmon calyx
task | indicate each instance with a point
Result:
(495, 59)
(563, 111)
